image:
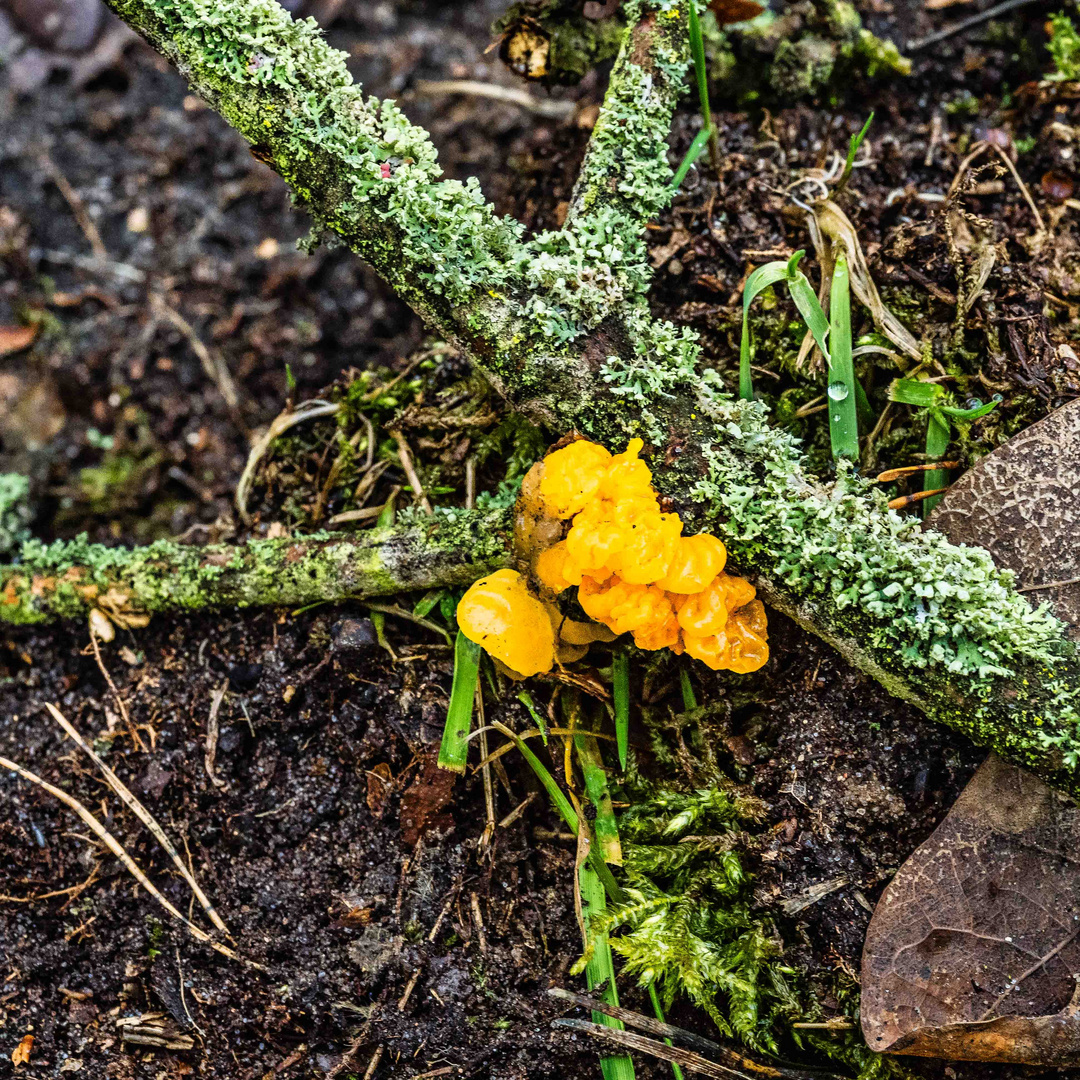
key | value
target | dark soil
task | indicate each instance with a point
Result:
(392, 945)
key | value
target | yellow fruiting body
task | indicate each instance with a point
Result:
(572, 476)
(697, 560)
(634, 571)
(500, 614)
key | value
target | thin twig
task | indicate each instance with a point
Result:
(216, 699)
(308, 410)
(965, 24)
(410, 472)
(115, 693)
(213, 364)
(142, 814)
(1050, 585)
(470, 483)
(1021, 185)
(551, 109)
(485, 768)
(373, 1064)
(78, 207)
(129, 863)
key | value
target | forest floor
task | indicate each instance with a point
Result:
(319, 829)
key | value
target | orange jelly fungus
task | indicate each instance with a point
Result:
(500, 614)
(634, 571)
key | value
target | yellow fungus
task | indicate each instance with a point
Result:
(500, 614)
(697, 560)
(571, 477)
(634, 571)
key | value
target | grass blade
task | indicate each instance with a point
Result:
(701, 75)
(853, 149)
(654, 997)
(700, 139)
(526, 699)
(756, 283)
(842, 394)
(620, 689)
(689, 698)
(596, 787)
(937, 443)
(455, 740)
(600, 972)
(809, 308)
(567, 812)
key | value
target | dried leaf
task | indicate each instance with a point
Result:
(734, 11)
(1022, 503)
(380, 782)
(1056, 186)
(16, 338)
(972, 949)
(21, 1054)
(426, 798)
(829, 223)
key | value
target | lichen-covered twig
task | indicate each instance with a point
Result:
(558, 326)
(69, 578)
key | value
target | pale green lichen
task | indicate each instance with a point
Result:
(435, 237)
(15, 511)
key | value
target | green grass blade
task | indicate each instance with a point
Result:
(701, 76)
(600, 973)
(689, 698)
(454, 749)
(853, 149)
(620, 689)
(923, 395)
(756, 283)
(566, 811)
(658, 1011)
(526, 699)
(842, 391)
(809, 307)
(937, 443)
(700, 139)
(596, 787)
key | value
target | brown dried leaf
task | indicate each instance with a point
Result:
(21, 1054)
(16, 338)
(972, 950)
(380, 782)
(423, 802)
(1022, 503)
(734, 11)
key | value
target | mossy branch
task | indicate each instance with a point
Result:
(68, 578)
(558, 324)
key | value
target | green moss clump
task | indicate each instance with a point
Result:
(691, 926)
(1064, 46)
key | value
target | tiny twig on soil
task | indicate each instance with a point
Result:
(213, 364)
(136, 741)
(410, 472)
(216, 698)
(550, 109)
(130, 865)
(965, 24)
(308, 410)
(78, 207)
(142, 814)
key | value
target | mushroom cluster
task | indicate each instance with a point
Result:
(633, 569)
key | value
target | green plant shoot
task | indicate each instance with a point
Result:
(934, 399)
(454, 748)
(841, 391)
